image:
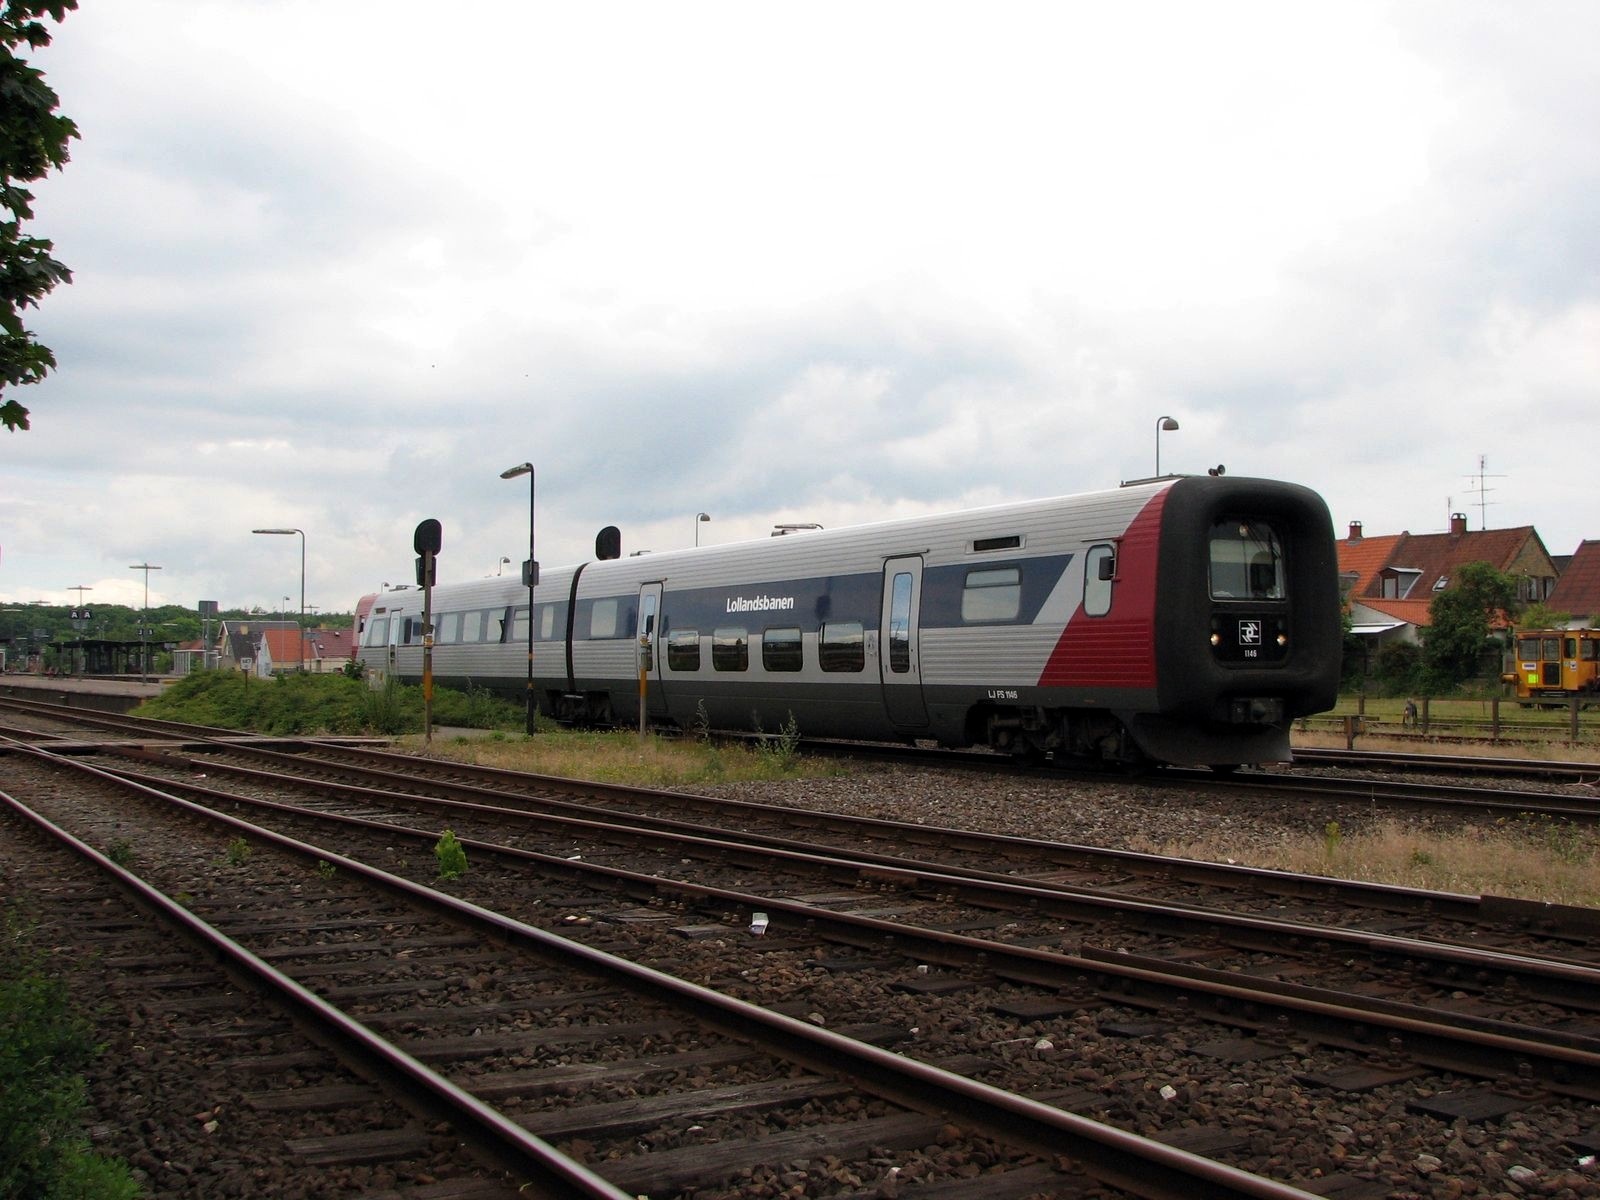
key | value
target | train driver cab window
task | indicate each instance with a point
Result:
(683, 650)
(842, 646)
(1099, 574)
(730, 650)
(1587, 649)
(1246, 561)
(992, 594)
(377, 631)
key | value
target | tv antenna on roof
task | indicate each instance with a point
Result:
(1479, 483)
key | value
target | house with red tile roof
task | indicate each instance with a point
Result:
(319, 650)
(1578, 592)
(1390, 581)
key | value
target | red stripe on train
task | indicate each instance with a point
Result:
(1118, 649)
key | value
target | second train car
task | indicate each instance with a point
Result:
(1179, 620)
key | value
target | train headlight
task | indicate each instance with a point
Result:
(1283, 639)
(1216, 639)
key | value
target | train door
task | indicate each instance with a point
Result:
(898, 658)
(649, 661)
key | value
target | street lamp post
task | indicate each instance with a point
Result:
(299, 632)
(530, 575)
(144, 622)
(698, 517)
(1169, 424)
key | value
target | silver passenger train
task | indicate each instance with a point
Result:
(1178, 620)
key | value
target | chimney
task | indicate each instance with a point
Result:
(1458, 523)
(1355, 531)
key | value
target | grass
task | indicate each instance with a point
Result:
(43, 1047)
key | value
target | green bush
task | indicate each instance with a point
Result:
(43, 1046)
(308, 704)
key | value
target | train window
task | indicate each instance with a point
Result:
(1246, 561)
(497, 623)
(730, 649)
(683, 650)
(547, 622)
(1099, 574)
(993, 594)
(603, 619)
(842, 646)
(519, 626)
(781, 650)
(1552, 649)
(1569, 648)
(377, 631)
(900, 624)
(1587, 649)
(449, 628)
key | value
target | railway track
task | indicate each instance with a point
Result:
(779, 1062)
(875, 929)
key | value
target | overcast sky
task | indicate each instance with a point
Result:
(339, 263)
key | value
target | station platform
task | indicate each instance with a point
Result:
(117, 695)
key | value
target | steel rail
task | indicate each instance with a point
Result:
(549, 1172)
(1136, 1164)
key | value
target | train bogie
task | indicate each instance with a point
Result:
(1181, 620)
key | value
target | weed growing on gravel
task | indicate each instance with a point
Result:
(238, 852)
(43, 1046)
(325, 869)
(451, 855)
(781, 749)
(120, 851)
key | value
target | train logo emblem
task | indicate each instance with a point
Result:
(1249, 633)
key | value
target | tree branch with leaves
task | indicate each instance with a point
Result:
(33, 142)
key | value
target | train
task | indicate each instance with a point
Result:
(1178, 620)
(1555, 664)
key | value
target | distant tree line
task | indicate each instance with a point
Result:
(36, 628)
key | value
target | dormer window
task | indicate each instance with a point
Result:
(1441, 583)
